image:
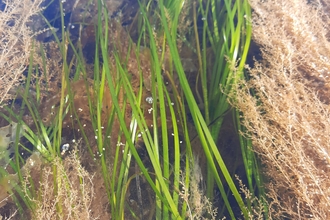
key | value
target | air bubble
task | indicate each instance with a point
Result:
(149, 100)
(65, 147)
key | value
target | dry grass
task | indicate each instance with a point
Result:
(290, 119)
(70, 197)
(15, 42)
(199, 206)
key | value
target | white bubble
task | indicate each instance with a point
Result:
(65, 147)
(149, 100)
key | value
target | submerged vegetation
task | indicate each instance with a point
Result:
(148, 109)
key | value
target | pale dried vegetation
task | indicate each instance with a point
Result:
(74, 195)
(15, 42)
(288, 119)
(199, 206)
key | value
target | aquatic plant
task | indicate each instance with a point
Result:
(129, 110)
(288, 119)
